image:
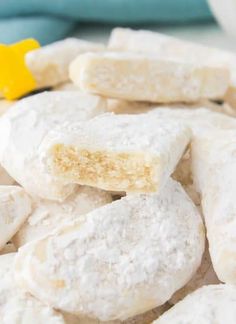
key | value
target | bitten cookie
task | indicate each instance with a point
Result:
(132, 153)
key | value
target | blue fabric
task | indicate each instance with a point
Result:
(49, 20)
(46, 29)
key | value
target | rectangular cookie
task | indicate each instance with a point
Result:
(138, 77)
(49, 64)
(143, 41)
(131, 153)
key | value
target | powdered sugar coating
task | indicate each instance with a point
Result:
(16, 306)
(123, 76)
(213, 164)
(24, 127)
(207, 305)
(214, 177)
(15, 207)
(49, 64)
(122, 133)
(48, 215)
(160, 143)
(125, 258)
(200, 121)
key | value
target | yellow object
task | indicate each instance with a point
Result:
(15, 78)
(25, 46)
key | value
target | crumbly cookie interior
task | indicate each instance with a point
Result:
(123, 171)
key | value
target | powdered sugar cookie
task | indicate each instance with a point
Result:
(123, 76)
(125, 258)
(15, 206)
(144, 41)
(131, 153)
(49, 64)
(47, 215)
(213, 161)
(24, 127)
(209, 304)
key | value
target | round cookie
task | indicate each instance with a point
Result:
(123, 259)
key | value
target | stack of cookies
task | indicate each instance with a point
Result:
(117, 185)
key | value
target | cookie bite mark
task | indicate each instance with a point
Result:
(123, 171)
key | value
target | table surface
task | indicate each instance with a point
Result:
(209, 34)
